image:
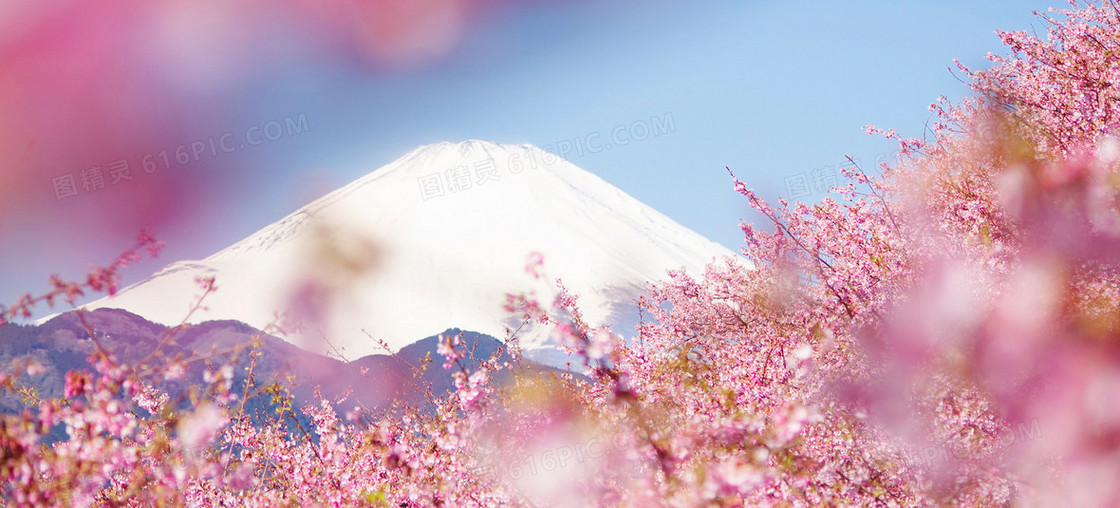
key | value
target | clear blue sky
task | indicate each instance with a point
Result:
(772, 90)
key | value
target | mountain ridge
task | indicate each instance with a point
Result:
(63, 344)
(378, 255)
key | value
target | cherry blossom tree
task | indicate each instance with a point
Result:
(943, 330)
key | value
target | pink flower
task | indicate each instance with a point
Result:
(534, 264)
(174, 371)
(200, 428)
(34, 368)
(448, 348)
(151, 399)
(602, 343)
(76, 384)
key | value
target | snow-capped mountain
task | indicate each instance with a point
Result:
(432, 241)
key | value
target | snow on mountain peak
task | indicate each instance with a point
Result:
(431, 241)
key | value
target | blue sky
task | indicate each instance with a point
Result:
(772, 90)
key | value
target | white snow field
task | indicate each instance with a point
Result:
(432, 241)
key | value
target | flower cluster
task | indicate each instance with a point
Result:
(876, 349)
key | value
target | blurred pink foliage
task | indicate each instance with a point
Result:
(945, 333)
(87, 86)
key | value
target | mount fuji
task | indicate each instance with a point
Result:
(432, 241)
